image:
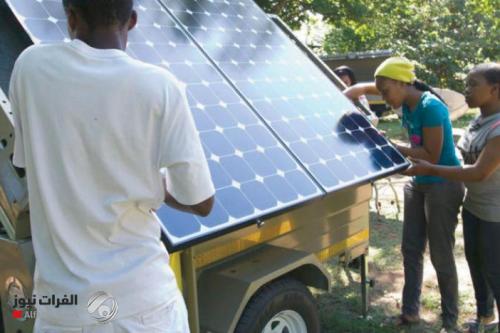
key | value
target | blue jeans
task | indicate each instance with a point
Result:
(482, 251)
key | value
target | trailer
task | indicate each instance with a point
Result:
(250, 273)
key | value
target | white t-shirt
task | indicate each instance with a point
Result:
(93, 128)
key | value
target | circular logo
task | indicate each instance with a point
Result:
(102, 306)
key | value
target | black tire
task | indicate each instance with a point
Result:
(277, 296)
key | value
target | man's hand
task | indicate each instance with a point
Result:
(418, 168)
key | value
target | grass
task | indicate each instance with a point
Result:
(463, 121)
(391, 125)
(340, 309)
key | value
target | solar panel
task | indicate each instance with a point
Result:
(253, 173)
(337, 145)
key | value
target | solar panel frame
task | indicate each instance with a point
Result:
(355, 129)
(56, 33)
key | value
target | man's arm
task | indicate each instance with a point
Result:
(187, 181)
(201, 209)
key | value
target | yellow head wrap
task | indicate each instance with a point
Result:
(397, 68)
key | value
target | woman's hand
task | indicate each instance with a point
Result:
(418, 168)
(353, 92)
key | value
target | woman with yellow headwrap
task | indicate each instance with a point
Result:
(431, 203)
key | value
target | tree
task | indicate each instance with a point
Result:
(293, 12)
(445, 37)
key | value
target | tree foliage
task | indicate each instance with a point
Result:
(445, 37)
(293, 12)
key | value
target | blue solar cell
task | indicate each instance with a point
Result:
(190, 225)
(237, 168)
(217, 143)
(219, 175)
(338, 148)
(281, 188)
(221, 116)
(304, 152)
(340, 170)
(324, 175)
(28, 9)
(55, 9)
(240, 139)
(285, 131)
(213, 220)
(203, 122)
(259, 195)
(347, 123)
(381, 158)
(301, 183)
(253, 173)
(393, 154)
(261, 136)
(236, 204)
(352, 163)
(376, 137)
(277, 156)
(261, 164)
(362, 138)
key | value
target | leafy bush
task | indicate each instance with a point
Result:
(445, 37)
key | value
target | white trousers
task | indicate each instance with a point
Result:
(170, 317)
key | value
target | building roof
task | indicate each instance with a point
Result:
(359, 55)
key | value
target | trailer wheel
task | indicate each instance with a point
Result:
(283, 306)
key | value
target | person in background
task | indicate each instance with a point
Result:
(94, 129)
(480, 148)
(346, 74)
(431, 203)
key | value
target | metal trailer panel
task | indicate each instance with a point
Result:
(14, 215)
(334, 215)
(17, 263)
(13, 189)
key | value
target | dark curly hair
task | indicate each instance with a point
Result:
(101, 13)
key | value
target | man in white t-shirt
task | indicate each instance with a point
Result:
(93, 128)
